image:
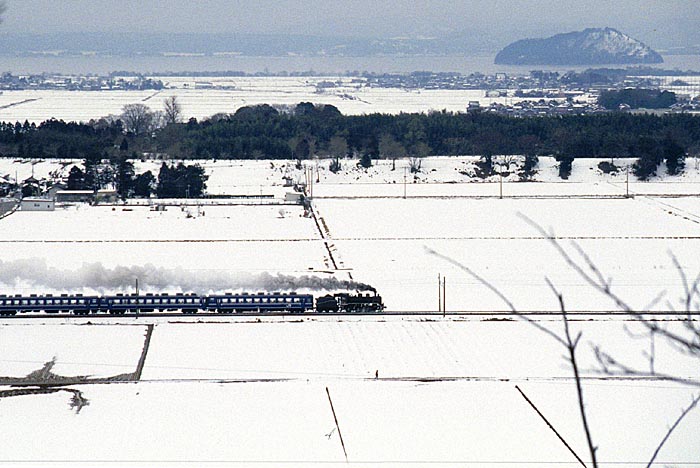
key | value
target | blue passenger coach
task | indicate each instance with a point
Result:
(120, 304)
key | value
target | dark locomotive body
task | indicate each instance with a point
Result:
(349, 303)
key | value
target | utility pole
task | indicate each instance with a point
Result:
(439, 294)
(500, 184)
(444, 307)
(627, 195)
(405, 170)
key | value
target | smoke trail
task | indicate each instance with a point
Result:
(36, 273)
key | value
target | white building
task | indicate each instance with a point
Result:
(37, 204)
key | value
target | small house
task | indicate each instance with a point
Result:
(294, 197)
(55, 188)
(473, 107)
(106, 196)
(74, 196)
(37, 204)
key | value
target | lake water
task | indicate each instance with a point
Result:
(321, 65)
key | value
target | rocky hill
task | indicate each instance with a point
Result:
(593, 46)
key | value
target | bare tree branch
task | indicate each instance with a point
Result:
(172, 110)
(498, 293)
(612, 366)
(596, 280)
(563, 441)
(672, 428)
(687, 342)
(571, 347)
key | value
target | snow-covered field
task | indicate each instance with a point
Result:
(226, 95)
(247, 391)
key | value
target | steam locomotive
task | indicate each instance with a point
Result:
(229, 303)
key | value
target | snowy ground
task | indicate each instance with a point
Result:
(249, 393)
(245, 391)
(350, 96)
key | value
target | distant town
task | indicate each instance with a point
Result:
(536, 93)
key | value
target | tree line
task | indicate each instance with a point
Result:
(307, 130)
(173, 181)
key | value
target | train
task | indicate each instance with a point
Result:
(190, 303)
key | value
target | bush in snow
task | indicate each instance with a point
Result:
(335, 166)
(608, 167)
(529, 165)
(564, 166)
(366, 161)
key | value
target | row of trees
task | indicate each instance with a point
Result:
(173, 181)
(308, 130)
(637, 98)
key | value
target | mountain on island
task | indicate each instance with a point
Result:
(593, 46)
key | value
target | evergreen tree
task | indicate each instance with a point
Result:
(181, 181)
(166, 182)
(302, 150)
(366, 160)
(143, 184)
(649, 158)
(125, 178)
(565, 163)
(674, 154)
(76, 179)
(531, 161)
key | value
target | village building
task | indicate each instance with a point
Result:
(37, 204)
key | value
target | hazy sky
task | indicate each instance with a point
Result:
(650, 20)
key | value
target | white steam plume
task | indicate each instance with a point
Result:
(36, 273)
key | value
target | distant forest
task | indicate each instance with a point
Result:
(306, 131)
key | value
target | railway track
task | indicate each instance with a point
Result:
(466, 314)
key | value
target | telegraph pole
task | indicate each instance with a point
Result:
(404, 182)
(500, 184)
(444, 307)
